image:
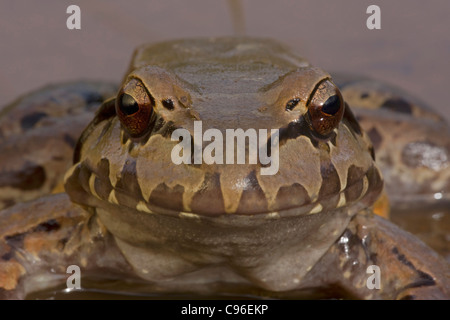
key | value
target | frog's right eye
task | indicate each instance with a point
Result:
(325, 108)
(134, 106)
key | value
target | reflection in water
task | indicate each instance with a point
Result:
(431, 223)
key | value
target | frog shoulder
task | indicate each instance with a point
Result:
(43, 214)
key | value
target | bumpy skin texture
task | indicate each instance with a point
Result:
(412, 147)
(222, 230)
(38, 133)
(36, 248)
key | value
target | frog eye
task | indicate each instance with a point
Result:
(325, 108)
(134, 106)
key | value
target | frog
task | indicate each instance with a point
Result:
(129, 213)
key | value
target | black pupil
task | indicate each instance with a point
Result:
(332, 105)
(128, 105)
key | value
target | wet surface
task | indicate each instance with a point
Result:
(431, 224)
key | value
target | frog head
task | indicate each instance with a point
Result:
(321, 169)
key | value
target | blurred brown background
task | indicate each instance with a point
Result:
(412, 50)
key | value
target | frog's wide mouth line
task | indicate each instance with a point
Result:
(362, 192)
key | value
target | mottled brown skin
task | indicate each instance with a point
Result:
(306, 232)
(38, 133)
(412, 146)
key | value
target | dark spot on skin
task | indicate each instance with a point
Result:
(350, 119)
(7, 256)
(408, 297)
(128, 184)
(158, 124)
(402, 258)
(375, 181)
(292, 196)
(30, 120)
(124, 139)
(63, 241)
(424, 279)
(58, 158)
(372, 152)
(70, 141)
(102, 184)
(292, 104)
(168, 198)
(397, 105)
(152, 99)
(168, 104)
(331, 184)
(30, 177)
(105, 129)
(76, 187)
(83, 175)
(364, 95)
(48, 226)
(131, 146)
(253, 199)
(333, 140)
(15, 241)
(354, 183)
(375, 137)
(209, 199)
(295, 129)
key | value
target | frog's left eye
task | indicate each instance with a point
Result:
(325, 108)
(134, 106)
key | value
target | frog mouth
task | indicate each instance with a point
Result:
(363, 191)
(88, 188)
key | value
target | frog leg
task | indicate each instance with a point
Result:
(38, 133)
(412, 149)
(411, 141)
(41, 238)
(406, 268)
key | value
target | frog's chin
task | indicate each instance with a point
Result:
(265, 252)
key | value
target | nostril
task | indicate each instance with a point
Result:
(168, 104)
